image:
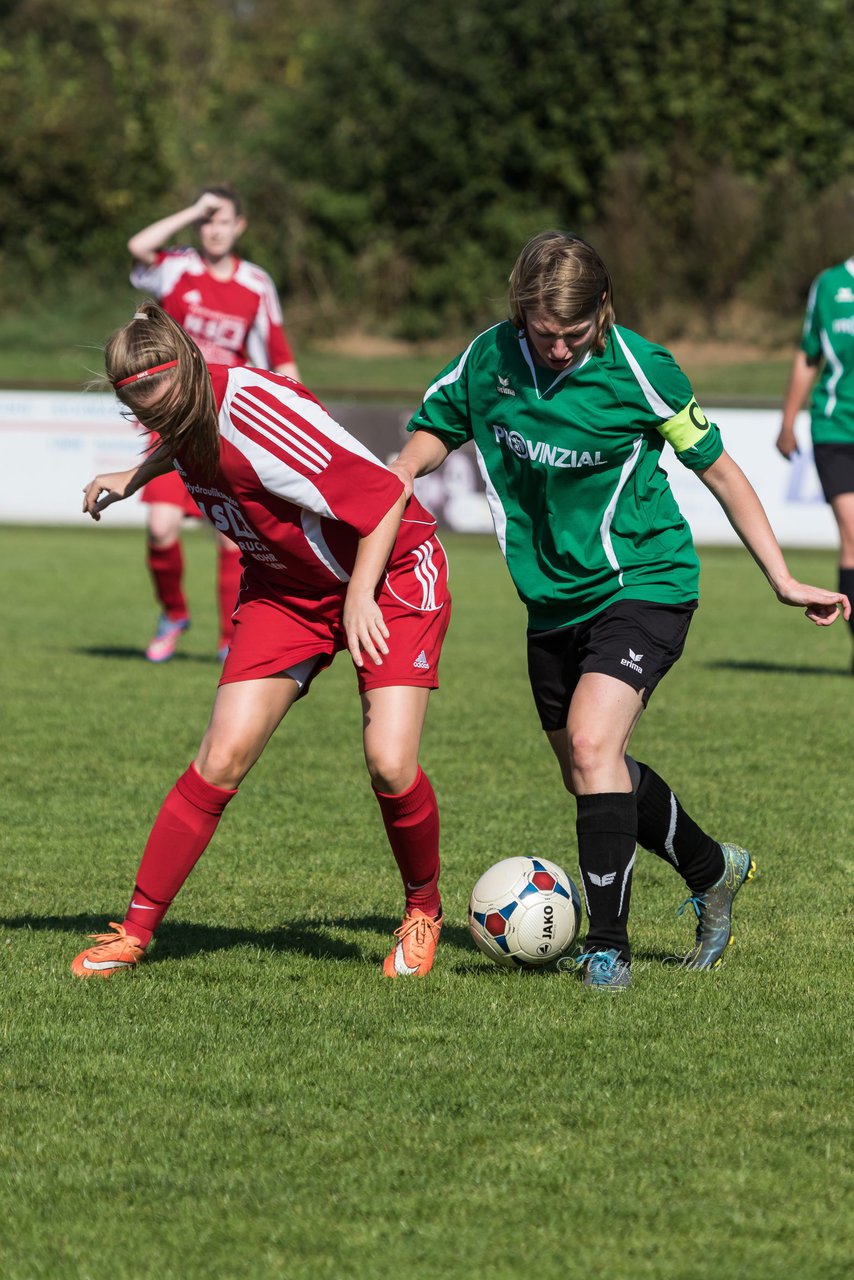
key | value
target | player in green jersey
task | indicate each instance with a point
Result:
(827, 350)
(569, 413)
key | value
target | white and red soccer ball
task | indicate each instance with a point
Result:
(524, 912)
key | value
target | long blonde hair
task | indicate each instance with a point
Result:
(185, 417)
(562, 275)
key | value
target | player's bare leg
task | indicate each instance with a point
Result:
(245, 714)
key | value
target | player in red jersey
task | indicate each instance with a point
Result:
(231, 310)
(335, 557)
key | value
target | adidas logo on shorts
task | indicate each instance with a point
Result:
(421, 662)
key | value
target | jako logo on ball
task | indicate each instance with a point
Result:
(524, 912)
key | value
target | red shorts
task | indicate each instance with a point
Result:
(273, 633)
(169, 488)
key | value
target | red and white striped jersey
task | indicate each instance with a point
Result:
(233, 322)
(296, 491)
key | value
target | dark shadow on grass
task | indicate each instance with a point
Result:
(473, 969)
(313, 938)
(138, 655)
(777, 668)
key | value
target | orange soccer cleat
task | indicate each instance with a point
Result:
(415, 949)
(119, 950)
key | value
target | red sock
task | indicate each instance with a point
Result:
(166, 565)
(229, 570)
(182, 831)
(412, 826)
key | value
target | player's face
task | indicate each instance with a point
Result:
(557, 345)
(219, 232)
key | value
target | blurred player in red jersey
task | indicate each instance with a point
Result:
(231, 310)
(335, 557)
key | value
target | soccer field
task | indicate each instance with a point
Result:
(257, 1102)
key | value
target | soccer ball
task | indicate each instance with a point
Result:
(524, 912)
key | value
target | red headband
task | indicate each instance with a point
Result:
(145, 373)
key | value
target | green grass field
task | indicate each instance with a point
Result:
(257, 1102)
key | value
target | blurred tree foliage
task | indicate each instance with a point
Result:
(395, 156)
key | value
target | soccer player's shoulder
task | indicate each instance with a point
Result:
(626, 343)
(255, 277)
(629, 355)
(493, 344)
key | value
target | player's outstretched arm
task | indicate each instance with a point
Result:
(726, 480)
(421, 454)
(363, 619)
(144, 246)
(117, 485)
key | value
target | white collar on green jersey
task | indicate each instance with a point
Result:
(529, 360)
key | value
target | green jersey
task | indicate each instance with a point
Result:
(829, 335)
(582, 510)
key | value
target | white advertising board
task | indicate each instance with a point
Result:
(51, 443)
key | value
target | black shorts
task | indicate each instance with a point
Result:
(632, 640)
(835, 466)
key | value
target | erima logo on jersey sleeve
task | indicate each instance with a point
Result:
(539, 451)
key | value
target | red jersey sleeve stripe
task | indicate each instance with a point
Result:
(313, 460)
(286, 426)
(294, 464)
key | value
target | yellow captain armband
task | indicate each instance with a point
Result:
(686, 428)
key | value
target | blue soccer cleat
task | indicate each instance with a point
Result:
(605, 969)
(714, 910)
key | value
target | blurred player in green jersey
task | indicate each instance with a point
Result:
(827, 350)
(569, 413)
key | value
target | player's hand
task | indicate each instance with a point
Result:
(112, 486)
(787, 443)
(364, 628)
(207, 204)
(820, 606)
(403, 473)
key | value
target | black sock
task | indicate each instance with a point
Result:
(607, 841)
(666, 829)
(846, 586)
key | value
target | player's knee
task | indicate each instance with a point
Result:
(391, 771)
(164, 525)
(160, 539)
(224, 763)
(589, 751)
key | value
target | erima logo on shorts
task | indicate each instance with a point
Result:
(551, 455)
(633, 661)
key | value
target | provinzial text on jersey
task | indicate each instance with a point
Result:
(551, 455)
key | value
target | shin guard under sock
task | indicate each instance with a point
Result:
(667, 830)
(166, 566)
(412, 825)
(182, 831)
(607, 842)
